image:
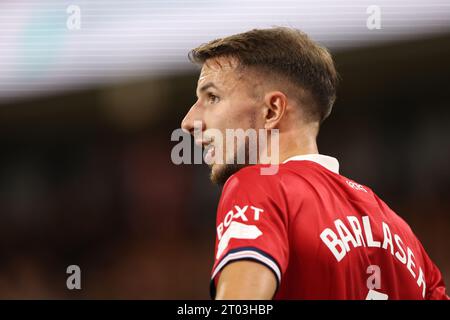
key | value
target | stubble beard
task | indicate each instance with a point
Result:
(221, 172)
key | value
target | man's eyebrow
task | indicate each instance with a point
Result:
(207, 86)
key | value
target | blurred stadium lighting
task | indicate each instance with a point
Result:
(117, 40)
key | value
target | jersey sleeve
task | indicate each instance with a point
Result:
(435, 283)
(252, 223)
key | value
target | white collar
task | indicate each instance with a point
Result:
(328, 162)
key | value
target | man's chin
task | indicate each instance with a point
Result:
(221, 172)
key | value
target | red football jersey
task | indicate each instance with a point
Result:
(323, 235)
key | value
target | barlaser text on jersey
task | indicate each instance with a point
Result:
(362, 236)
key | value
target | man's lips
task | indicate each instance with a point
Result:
(203, 143)
(209, 152)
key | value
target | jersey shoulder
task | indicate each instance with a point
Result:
(264, 177)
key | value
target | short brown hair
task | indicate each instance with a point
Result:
(285, 51)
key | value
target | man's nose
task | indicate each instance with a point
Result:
(192, 120)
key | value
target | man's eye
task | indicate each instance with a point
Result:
(212, 98)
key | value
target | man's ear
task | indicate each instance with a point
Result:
(275, 103)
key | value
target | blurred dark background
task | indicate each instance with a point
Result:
(86, 176)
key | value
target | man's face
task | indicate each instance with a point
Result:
(226, 100)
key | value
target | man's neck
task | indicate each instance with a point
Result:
(291, 144)
(308, 148)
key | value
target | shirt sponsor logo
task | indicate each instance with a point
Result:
(229, 228)
(237, 230)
